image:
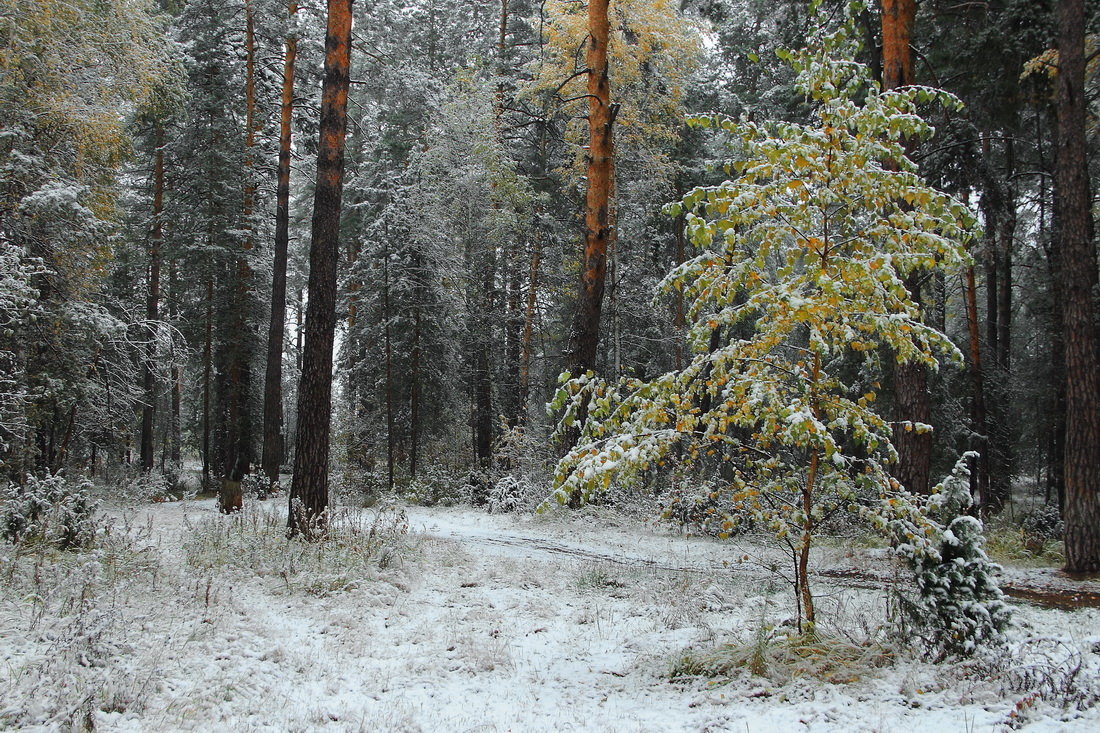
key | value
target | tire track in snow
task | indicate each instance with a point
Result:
(866, 578)
(531, 547)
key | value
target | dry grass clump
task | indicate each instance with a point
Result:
(355, 545)
(781, 659)
(1010, 545)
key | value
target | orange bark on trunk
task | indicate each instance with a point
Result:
(911, 380)
(309, 490)
(897, 24)
(598, 219)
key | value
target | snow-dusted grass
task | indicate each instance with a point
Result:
(183, 619)
(1010, 544)
(254, 541)
(66, 633)
(781, 658)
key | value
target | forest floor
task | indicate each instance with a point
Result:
(183, 619)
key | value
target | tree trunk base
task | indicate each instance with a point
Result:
(231, 497)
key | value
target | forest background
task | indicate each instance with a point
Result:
(157, 167)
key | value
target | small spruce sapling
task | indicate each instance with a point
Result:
(798, 276)
(958, 606)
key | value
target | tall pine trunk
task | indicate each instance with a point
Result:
(414, 396)
(598, 223)
(1006, 457)
(1075, 258)
(979, 478)
(273, 377)
(911, 379)
(238, 454)
(1054, 424)
(207, 382)
(529, 313)
(511, 403)
(1056, 441)
(481, 303)
(530, 310)
(483, 408)
(309, 490)
(995, 485)
(387, 347)
(1005, 245)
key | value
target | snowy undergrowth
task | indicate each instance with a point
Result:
(70, 621)
(742, 647)
(355, 548)
(486, 622)
(94, 635)
(851, 644)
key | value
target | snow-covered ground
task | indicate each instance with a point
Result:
(475, 623)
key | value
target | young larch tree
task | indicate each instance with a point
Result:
(801, 258)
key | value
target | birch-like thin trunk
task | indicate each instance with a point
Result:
(152, 303)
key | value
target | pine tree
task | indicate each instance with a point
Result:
(206, 208)
(309, 490)
(598, 221)
(910, 379)
(1077, 269)
(273, 379)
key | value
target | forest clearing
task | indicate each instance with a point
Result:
(549, 365)
(489, 622)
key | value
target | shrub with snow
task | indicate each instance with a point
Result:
(148, 486)
(477, 487)
(434, 485)
(1044, 523)
(49, 509)
(506, 495)
(358, 487)
(702, 511)
(256, 486)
